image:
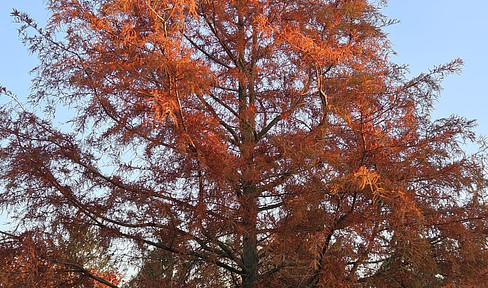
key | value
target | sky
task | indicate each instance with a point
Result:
(433, 32)
(15, 60)
(430, 32)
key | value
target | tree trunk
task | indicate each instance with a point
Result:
(247, 199)
(249, 211)
(249, 239)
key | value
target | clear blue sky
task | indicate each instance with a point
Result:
(15, 61)
(431, 32)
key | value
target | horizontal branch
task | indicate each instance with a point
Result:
(84, 271)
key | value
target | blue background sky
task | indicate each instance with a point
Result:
(431, 32)
(15, 61)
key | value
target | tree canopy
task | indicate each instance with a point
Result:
(244, 144)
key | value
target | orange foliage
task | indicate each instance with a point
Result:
(29, 261)
(247, 144)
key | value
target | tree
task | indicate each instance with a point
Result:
(32, 260)
(259, 143)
